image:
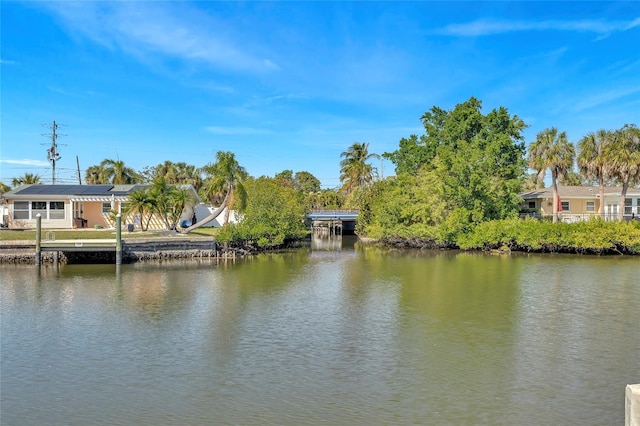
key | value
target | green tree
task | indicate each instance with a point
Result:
(27, 179)
(412, 154)
(274, 214)
(227, 177)
(355, 172)
(285, 178)
(117, 173)
(623, 157)
(325, 199)
(552, 150)
(306, 182)
(468, 167)
(592, 162)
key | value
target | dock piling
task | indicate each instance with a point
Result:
(38, 239)
(118, 239)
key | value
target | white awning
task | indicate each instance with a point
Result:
(105, 199)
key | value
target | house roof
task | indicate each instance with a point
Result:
(578, 192)
(79, 192)
(71, 190)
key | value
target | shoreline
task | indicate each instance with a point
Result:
(133, 250)
(197, 248)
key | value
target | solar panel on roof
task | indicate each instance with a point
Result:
(66, 190)
(79, 189)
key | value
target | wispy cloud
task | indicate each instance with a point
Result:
(259, 101)
(485, 27)
(605, 97)
(175, 30)
(7, 62)
(26, 162)
(235, 131)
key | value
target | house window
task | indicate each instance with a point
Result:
(591, 206)
(565, 206)
(627, 206)
(56, 209)
(20, 210)
(46, 209)
(106, 208)
(532, 204)
(39, 208)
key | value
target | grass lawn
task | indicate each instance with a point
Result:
(90, 234)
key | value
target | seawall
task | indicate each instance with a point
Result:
(133, 250)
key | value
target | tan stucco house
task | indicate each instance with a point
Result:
(582, 202)
(73, 206)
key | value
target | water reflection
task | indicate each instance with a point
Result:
(361, 335)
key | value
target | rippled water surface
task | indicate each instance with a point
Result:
(355, 336)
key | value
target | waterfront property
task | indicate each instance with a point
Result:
(582, 202)
(75, 206)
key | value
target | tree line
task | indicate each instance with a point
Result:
(604, 156)
(466, 168)
(469, 168)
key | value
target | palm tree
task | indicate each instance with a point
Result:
(355, 172)
(179, 200)
(26, 179)
(175, 173)
(141, 203)
(117, 173)
(169, 201)
(551, 150)
(93, 175)
(592, 162)
(4, 188)
(189, 175)
(160, 192)
(226, 177)
(623, 156)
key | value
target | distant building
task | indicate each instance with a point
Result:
(582, 202)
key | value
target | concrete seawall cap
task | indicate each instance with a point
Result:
(632, 405)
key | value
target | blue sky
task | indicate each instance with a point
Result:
(291, 85)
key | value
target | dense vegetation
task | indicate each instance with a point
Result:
(594, 236)
(274, 214)
(466, 169)
(458, 184)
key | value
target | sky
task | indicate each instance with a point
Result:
(291, 85)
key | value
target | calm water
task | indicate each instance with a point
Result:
(357, 336)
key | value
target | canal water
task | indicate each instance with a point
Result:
(339, 334)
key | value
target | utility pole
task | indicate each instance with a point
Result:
(78, 166)
(52, 153)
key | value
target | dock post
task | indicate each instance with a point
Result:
(118, 239)
(38, 239)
